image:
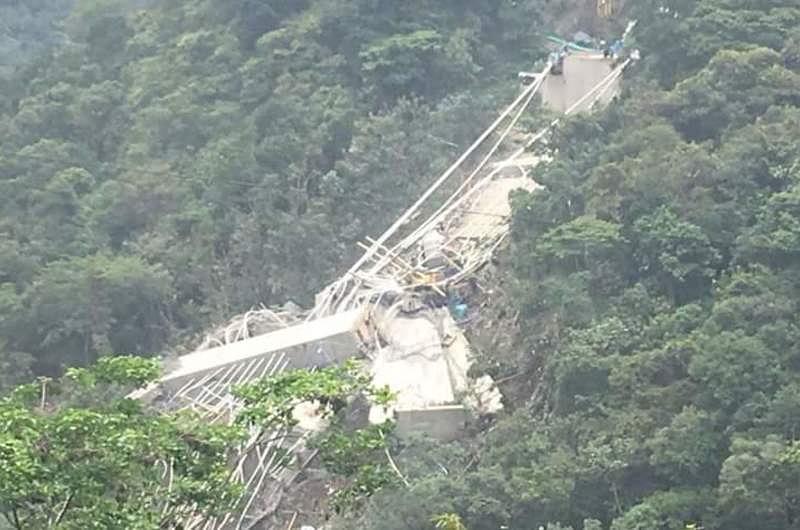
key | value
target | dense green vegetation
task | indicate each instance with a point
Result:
(657, 282)
(76, 454)
(28, 29)
(166, 167)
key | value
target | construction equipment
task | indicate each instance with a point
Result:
(427, 278)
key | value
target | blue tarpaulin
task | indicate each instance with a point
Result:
(458, 308)
(459, 311)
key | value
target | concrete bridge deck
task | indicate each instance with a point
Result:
(581, 73)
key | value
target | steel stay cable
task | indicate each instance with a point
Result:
(436, 217)
(605, 84)
(411, 210)
(601, 86)
(368, 254)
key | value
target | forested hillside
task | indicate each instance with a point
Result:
(656, 277)
(27, 29)
(167, 167)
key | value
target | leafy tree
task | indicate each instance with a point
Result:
(758, 486)
(71, 460)
(580, 243)
(733, 367)
(96, 305)
(774, 237)
(676, 252)
(360, 456)
(687, 448)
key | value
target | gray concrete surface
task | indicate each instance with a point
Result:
(317, 343)
(414, 363)
(488, 214)
(425, 363)
(445, 422)
(581, 73)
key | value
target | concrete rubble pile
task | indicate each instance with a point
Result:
(405, 313)
(425, 358)
(422, 355)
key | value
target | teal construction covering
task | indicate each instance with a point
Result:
(572, 45)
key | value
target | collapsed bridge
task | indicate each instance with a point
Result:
(399, 305)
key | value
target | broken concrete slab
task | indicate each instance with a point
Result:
(319, 342)
(425, 362)
(445, 422)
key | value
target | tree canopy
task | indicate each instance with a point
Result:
(74, 454)
(166, 164)
(655, 275)
(163, 164)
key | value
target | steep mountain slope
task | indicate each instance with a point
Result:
(655, 278)
(28, 29)
(167, 167)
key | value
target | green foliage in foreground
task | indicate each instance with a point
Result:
(361, 457)
(76, 455)
(271, 401)
(357, 455)
(71, 459)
